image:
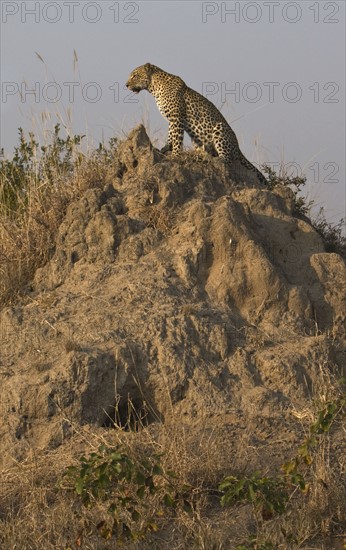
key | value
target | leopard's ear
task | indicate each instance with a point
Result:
(147, 66)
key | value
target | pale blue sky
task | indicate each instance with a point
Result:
(284, 61)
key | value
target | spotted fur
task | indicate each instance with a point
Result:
(189, 111)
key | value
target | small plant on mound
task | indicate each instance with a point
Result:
(134, 493)
(296, 183)
(332, 234)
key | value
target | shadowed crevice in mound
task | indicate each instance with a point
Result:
(172, 291)
(131, 413)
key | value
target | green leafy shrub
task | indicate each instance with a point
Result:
(125, 487)
(268, 495)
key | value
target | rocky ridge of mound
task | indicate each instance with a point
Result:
(176, 289)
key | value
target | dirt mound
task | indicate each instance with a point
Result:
(176, 289)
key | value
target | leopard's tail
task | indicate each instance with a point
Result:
(245, 162)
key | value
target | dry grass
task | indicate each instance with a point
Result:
(31, 214)
(317, 520)
(35, 512)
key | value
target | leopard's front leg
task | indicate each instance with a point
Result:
(169, 144)
(175, 135)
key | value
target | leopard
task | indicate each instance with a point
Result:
(189, 111)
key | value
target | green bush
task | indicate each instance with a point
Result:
(125, 487)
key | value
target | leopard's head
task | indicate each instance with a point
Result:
(140, 78)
